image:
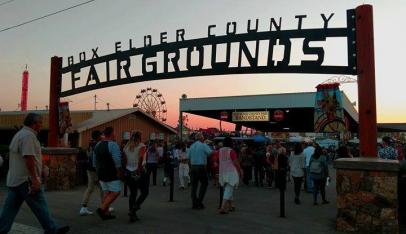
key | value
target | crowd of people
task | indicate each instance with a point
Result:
(135, 164)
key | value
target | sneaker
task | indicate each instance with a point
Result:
(326, 202)
(200, 206)
(133, 217)
(103, 215)
(111, 209)
(84, 211)
(195, 207)
(63, 230)
(315, 203)
(222, 211)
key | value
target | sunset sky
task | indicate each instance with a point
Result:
(103, 22)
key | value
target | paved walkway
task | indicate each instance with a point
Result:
(257, 211)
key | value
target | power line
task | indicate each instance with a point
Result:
(45, 16)
(6, 2)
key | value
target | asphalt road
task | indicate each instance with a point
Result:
(257, 212)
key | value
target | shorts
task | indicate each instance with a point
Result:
(111, 186)
(228, 192)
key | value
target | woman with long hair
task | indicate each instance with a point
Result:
(318, 173)
(136, 176)
(297, 167)
(229, 174)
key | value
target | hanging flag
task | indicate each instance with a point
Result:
(328, 109)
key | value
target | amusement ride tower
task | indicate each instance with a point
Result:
(24, 90)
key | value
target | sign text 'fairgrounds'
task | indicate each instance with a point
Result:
(232, 53)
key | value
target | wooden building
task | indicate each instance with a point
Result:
(124, 121)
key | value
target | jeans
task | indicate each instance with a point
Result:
(247, 174)
(309, 181)
(199, 174)
(298, 185)
(92, 184)
(141, 184)
(152, 168)
(259, 175)
(319, 185)
(37, 203)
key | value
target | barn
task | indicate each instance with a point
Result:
(124, 121)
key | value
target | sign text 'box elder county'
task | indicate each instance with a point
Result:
(251, 116)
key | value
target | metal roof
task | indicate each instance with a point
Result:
(265, 101)
(392, 127)
(92, 119)
(104, 116)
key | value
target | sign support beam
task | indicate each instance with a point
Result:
(366, 81)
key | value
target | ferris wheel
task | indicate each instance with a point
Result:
(152, 102)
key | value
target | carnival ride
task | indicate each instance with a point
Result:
(152, 102)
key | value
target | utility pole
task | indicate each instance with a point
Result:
(95, 102)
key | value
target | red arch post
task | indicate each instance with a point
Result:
(55, 89)
(366, 81)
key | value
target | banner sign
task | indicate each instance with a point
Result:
(254, 116)
(253, 51)
(328, 110)
(65, 121)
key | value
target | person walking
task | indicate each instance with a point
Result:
(108, 169)
(318, 169)
(171, 157)
(308, 153)
(214, 164)
(282, 165)
(136, 176)
(297, 168)
(24, 179)
(92, 180)
(259, 164)
(198, 154)
(184, 178)
(230, 174)
(152, 161)
(387, 151)
(271, 164)
(343, 152)
(246, 162)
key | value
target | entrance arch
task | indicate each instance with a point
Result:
(360, 61)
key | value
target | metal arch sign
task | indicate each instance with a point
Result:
(200, 56)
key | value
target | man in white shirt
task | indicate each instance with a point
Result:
(308, 153)
(24, 180)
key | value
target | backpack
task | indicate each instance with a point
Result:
(105, 167)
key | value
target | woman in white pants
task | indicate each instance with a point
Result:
(183, 167)
(230, 174)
